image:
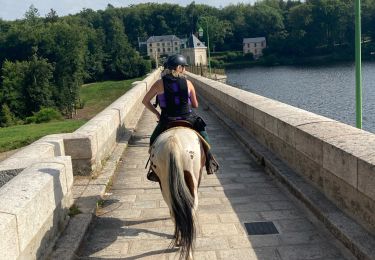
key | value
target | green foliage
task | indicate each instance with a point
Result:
(7, 118)
(26, 86)
(74, 210)
(44, 115)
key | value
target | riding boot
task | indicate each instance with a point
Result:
(151, 175)
(212, 166)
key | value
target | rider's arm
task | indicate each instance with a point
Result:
(193, 96)
(150, 95)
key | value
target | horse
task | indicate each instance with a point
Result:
(177, 157)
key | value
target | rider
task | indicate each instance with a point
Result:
(176, 96)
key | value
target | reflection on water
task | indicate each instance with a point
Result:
(327, 91)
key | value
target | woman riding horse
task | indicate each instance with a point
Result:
(176, 96)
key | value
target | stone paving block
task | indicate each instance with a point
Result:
(281, 214)
(211, 243)
(161, 212)
(268, 253)
(308, 252)
(219, 230)
(291, 225)
(205, 255)
(124, 214)
(146, 245)
(206, 218)
(306, 237)
(281, 205)
(106, 250)
(147, 197)
(209, 201)
(237, 254)
(150, 204)
(123, 198)
(252, 206)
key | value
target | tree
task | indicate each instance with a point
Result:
(52, 16)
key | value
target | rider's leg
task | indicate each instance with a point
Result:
(151, 175)
(212, 166)
(157, 131)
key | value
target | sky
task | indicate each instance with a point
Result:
(15, 9)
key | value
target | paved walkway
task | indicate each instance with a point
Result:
(133, 222)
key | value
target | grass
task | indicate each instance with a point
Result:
(96, 97)
(74, 210)
(14, 137)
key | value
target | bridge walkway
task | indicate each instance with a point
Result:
(133, 221)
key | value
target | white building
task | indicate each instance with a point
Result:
(164, 45)
(254, 45)
(195, 51)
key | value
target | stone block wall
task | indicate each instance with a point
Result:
(336, 158)
(33, 206)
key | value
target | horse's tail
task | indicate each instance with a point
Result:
(182, 201)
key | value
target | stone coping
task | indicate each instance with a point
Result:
(337, 158)
(33, 208)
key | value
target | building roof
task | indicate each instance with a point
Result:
(254, 40)
(163, 38)
(194, 42)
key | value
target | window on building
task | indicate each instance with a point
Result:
(248, 45)
(168, 43)
(261, 44)
(158, 49)
(176, 49)
(158, 44)
(255, 45)
(163, 44)
(169, 49)
(255, 51)
(175, 43)
(150, 50)
(150, 44)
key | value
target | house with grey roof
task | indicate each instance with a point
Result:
(163, 45)
(195, 51)
(254, 46)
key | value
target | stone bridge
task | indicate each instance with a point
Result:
(292, 185)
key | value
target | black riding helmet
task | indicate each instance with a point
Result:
(175, 60)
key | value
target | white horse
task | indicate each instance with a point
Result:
(177, 157)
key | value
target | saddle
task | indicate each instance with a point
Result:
(187, 124)
(175, 124)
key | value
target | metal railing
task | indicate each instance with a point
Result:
(204, 71)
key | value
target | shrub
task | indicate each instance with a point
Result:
(7, 118)
(44, 115)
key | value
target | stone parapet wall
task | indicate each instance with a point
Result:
(34, 207)
(92, 143)
(336, 158)
(36, 181)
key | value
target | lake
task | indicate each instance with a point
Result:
(325, 90)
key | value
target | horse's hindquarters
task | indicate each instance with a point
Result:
(176, 157)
